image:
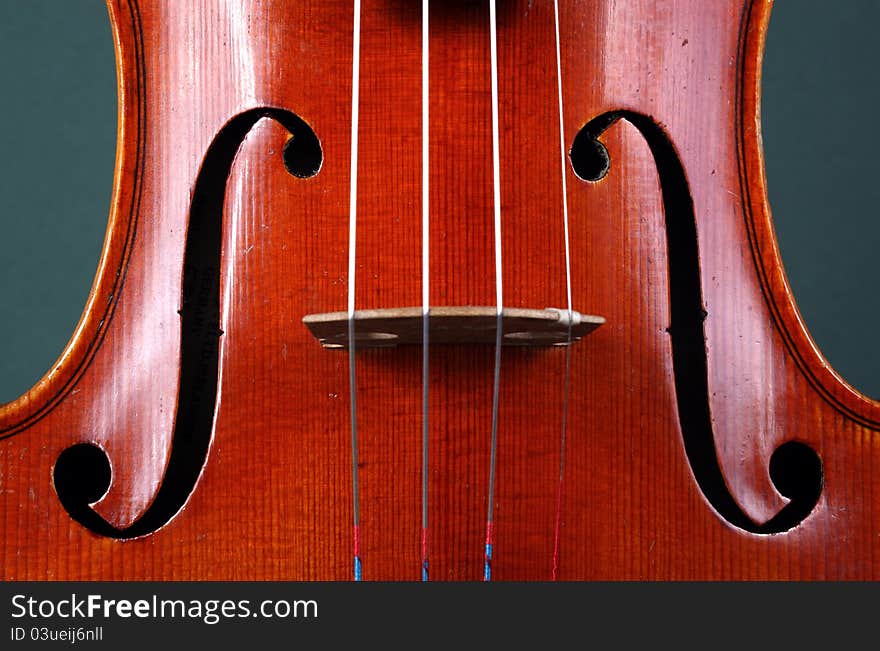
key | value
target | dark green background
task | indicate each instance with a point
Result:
(57, 137)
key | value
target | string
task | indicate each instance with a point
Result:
(567, 377)
(499, 293)
(352, 243)
(426, 289)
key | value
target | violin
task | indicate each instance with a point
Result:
(452, 290)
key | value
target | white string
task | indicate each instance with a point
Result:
(567, 376)
(426, 160)
(426, 277)
(496, 158)
(563, 162)
(352, 245)
(499, 292)
(355, 117)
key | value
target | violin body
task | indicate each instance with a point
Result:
(195, 429)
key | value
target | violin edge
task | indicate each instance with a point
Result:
(766, 254)
(50, 389)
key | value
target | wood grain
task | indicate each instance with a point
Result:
(274, 497)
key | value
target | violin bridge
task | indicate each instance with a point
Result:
(452, 325)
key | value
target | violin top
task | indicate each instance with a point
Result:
(537, 234)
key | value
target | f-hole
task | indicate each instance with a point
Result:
(77, 467)
(795, 468)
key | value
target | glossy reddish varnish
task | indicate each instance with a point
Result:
(274, 500)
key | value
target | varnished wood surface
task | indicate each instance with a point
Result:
(274, 497)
